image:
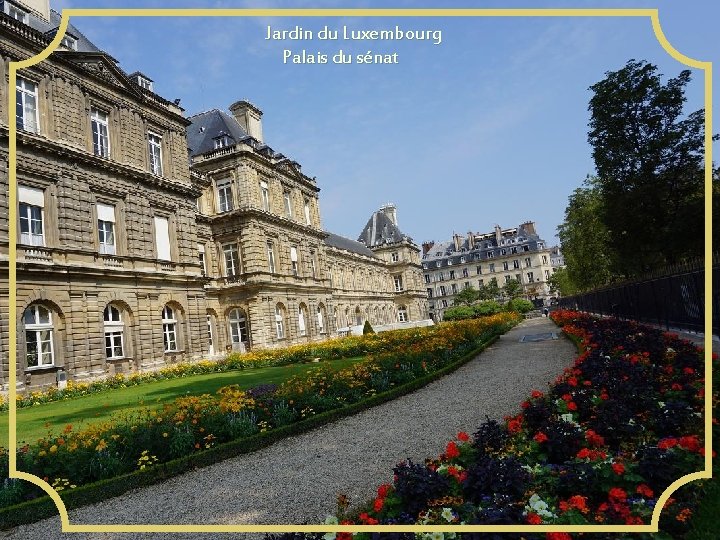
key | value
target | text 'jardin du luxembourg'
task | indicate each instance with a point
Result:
(344, 33)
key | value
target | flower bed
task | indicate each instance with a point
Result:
(197, 424)
(613, 432)
(332, 349)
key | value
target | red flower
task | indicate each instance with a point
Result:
(587, 383)
(525, 404)
(536, 394)
(676, 386)
(452, 450)
(633, 520)
(667, 443)
(618, 468)
(558, 536)
(533, 519)
(593, 438)
(583, 453)
(572, 381)
(645, 491)
(514, 425)
(567, 397)
(462, 436)
(540, 437)
(571, 406)
(367, 520)
(688, 370)
(617, 495)
(383, 490)
(579, 502)
(378, 504)
(690, 442)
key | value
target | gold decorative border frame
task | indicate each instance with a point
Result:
(652, 14)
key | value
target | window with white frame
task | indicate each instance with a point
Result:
(528, 262)
(162, 238)
(302, 328)
(544, 259)
(106, 229)
(402, 314)
(465, 272)
(313, 268)
(452, 274)
(321, 318)
(201, 258)
(232, 259)
(294, 260)
(279, 321)
(516, 264)
(442, 290)
(508, 278)
(429, 292)
(238, 328)
(481, 283)
(155, 153)
(144, 82)
(394, 257)
(114, 328)
(265, 196)
(505, 266)
(398, 283)
(15, 12)
(69, 42)
(169, 322)
(530, 277)
(547, 274)
(221, 142)
(271, 257)
(100, 133)
(211, 334)
(30, 211)
(288, 204)
(39, 350)
(478, 269)
(26, 105)
(306, 208)
(427, 278)
(444, 303)
(492, 267)
(454, 288)
(225, 195)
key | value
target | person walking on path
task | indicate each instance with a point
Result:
(298, 479)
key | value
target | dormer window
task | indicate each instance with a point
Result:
(222, 141)
(15, 12)
(142, 80)
(69, 42)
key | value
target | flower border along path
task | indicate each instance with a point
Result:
(613, 432)
(196, 425)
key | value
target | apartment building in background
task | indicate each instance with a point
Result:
(132, 254)
(477, 259)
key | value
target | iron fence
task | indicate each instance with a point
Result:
(673, 298)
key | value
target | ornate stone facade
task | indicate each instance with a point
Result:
(129, 259)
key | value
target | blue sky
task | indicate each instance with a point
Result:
(488, 127)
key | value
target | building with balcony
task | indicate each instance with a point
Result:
(479, 258)
(129, 258)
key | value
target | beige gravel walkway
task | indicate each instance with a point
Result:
(297, 480)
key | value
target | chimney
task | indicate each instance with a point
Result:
(40, 8)
(456, 241)
(529, 227)
(390, 211)
(498, 235)
(427, 246)
(249, 118)
(471, 240)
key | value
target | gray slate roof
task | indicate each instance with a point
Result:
(340, 242)
(207, 126)
(83, 43)
(379, 231)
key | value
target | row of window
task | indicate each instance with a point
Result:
(27, 119)
(443, 291)
(226, 199)
(440, 276)
(477, 256)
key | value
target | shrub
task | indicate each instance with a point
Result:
(521, 305)
(489, 307)
(368, 329)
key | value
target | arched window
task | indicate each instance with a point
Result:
(358, 317)
(279, 321)
(402, 314)
(211, 333)
(238, 328)
(169, 322)
(302, 320)
(38, 336)
(114, 328)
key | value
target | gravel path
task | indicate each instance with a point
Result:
(297, 480)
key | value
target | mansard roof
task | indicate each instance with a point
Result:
(50, 28)
(380, 230)
(340, 242)
(208, 126)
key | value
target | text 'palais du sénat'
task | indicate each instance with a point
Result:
(345, 33)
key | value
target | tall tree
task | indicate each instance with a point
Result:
(585, 239)
(649, 163)
(466, 297)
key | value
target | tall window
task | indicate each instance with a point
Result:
(201, 258)
(162, 238)
(114, 329)
(306, 207)
(232, 259)
(492, 267)
(530, 277)
(265, 196)
(288, 204)
(169, 322)
(106, 228)
(505, 265)
(101, 140)
(302, 328)
(225, 197)
(427, 278)
(279, 323)
(402, 314)
(528, 262)
(238, 328)
(394, 257)
(211, 344)
(26, 107)
(294, 260)
(271, 257)
(155, 152)
(398, 283)
(516, 264)
(30, 213)
(321, 318)
(38, 336)
(312, 264)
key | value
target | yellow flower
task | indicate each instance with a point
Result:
(102, 445)
(53, 449)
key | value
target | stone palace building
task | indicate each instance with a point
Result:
(132, 254)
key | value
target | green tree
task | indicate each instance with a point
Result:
(513, 289)
(585, 239)
(490, 291)
(466, 297)
(560, 283)
(649, 162)
(367, 328)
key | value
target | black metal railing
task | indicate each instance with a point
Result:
(673, 297)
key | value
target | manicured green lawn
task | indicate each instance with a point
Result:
(35, 422)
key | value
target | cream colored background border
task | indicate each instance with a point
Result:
(651, 14)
